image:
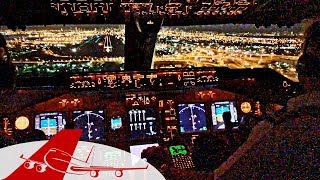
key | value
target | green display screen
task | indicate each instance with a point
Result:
(178, 150)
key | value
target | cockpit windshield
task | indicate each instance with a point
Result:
(57, 49)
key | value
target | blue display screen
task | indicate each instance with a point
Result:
(48, 123)
(222, 109)
(116, 123)
(218, 108)
(192, 117)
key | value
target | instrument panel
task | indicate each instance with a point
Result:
(152, 80)
(179, 8)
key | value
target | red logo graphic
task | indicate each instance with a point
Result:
(53, 159)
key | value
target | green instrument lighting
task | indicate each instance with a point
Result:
(178, 150)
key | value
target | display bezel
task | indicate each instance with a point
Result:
(64, 117)
(116, 117)
(144, 136)
(211, 113)
(178, 117)
(104, 121)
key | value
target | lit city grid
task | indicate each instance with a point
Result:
(86, 48)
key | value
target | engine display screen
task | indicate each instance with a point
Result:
(142, 122)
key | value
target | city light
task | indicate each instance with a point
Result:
(176, 47)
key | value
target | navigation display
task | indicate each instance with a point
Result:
(192, 117)
(50, 123)
(92, 123)
(218, 108)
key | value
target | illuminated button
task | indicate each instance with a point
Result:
(245, 107)
(22, 123)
